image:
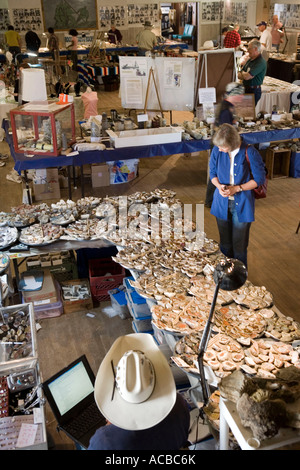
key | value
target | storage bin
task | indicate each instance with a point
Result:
(104, 275)
(119, 302)
(127, 285)
(142, 326)
(139, 305)
(49, 310)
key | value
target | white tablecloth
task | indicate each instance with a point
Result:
(276, 92)
(4, 110)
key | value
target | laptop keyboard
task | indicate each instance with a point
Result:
(86, 420)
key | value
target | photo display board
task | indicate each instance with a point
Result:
(174, 78)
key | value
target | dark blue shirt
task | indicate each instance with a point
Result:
(219, 166)
(170, 434)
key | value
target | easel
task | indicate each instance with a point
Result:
(214, 81)
(151, 74)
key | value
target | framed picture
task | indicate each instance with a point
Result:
(63, 15)
(244, 105)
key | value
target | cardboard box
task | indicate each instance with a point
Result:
(77, 305)
(47, 294)
(46, 191)
(100, 175)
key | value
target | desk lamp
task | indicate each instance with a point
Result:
(33, 85)
(229, 274)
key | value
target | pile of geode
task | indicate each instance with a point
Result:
(265, 405)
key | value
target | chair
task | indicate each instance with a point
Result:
(188, 33)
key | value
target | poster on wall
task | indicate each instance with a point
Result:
(66, 14)
(210, 12)
(131, 15)
(236, 12)
(4, 19)
(25, 19)
(116, 14)
(288, 14)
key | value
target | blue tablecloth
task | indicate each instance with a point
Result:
(295, 165)
(126, 153)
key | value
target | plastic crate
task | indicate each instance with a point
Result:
(104, 275)
(119, 302)
(139, 305)
(126, 284)
(142, 326)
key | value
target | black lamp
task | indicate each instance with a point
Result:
(229, 274)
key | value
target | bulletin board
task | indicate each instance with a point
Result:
(174, 78)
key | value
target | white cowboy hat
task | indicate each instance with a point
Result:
(145, 390)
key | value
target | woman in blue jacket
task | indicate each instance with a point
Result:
(233, 202)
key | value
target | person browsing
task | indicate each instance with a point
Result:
(13, 40)
(276, 34)
(234, 201)
(254, 70)
(232, 38)
(265, 40)
(146, 39)
(136, 392)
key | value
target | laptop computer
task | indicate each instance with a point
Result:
(70, 394)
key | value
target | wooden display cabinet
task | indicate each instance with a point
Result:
(27, 123)
(278, 162)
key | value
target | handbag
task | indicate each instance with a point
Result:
(261, 191)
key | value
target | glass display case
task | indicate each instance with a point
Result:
(44, 128)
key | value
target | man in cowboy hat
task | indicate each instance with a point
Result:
(136, 392)
(146, 39)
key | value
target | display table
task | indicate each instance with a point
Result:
(283, 68)
(229, 419)
(276, 92)
(23, 163)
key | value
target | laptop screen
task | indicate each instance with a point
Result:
(71, 388)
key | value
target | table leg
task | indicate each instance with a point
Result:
(224, 430)
(69, 183)
(27, 188)
(82, 181)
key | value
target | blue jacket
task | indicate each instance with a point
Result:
(219, 166)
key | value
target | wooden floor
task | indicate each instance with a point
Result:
(274, 254)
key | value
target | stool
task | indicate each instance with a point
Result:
(278, 163)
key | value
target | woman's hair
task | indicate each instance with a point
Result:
(73, 32)
(50, 30)
(227, 136)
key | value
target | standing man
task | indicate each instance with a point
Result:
(265, 40)
(13, 40)
(276, 35)
(232, 38)
(254, 70)
(145, 39)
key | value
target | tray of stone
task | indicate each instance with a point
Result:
(239, 323)
(280, 327)
(265, 357)
(223, 354)
(254, 297)
(8, 236)
(81, 230)
(40, 234)
(203, 287)
(161, 283)
(182, 314)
